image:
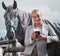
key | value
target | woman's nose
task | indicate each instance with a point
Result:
(37, 18)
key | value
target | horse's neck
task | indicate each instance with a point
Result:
(24, 18)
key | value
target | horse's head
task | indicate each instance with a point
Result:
(10, 14)
(11, 21)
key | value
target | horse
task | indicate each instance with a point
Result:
(19, 18)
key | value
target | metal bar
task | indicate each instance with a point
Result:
(4, 42)
(16, 49)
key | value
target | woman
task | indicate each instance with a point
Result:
(37, 35)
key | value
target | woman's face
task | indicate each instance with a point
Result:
(37, 17)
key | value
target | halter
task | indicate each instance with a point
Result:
(11, 24)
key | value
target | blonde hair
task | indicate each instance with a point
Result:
(36, 10)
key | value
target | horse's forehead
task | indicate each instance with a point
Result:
(10, 7)
(10, 12)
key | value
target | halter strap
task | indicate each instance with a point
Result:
(9, 25)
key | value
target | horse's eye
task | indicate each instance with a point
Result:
(15, 12)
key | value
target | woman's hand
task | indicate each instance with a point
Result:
(42, 37)
(34, 35)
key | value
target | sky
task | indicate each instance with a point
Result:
(49, 8)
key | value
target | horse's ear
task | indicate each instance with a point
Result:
(14, 5)
(3, 5)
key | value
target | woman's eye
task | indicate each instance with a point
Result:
(37, 15)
